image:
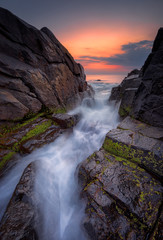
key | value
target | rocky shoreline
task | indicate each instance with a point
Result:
(122, 182)
(38, 78)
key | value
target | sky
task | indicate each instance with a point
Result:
(108, 37)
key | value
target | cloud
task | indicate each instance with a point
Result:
(134, 55)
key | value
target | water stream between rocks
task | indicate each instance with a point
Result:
(56, 179)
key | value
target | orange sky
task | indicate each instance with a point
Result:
(103, 41)
(95, 32)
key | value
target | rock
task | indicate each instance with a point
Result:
(125, 92)
(137, 145)
(19, 220)
(133, 73)
(47, 137)
(123, 200)
(24, 137)
(10, 107)
(121, 184)
(142, 95)
(126, 101)
(148, 101)
(65, 120)
(36, 71)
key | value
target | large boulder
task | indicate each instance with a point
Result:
(36, 71)
(148, 101)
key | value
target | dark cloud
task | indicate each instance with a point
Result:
(134, 55)
(62, 15)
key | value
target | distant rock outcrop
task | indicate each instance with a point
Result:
(36, 71)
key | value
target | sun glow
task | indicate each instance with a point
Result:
(100, 41)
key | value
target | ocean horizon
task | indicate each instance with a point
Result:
(107, 78)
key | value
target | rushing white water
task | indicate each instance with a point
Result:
(56, 183)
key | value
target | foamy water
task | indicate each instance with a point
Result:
(56, 184)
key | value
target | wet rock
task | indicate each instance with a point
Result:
(148, 102)
(10, 107)
(132, 81)
(123, 200)
(133, 145)
(45, 138)
(121, 184)
(24, 137)
(144, 129)
(144, 92)
(20, 217)
(126, 101)
(65, 120)
(36, 71)
(158, 230)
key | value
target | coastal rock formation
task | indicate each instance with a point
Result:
(142, 95)
(148, 101)
(36, 71)
(22, 138)
(125, 92)
(19, 220)
(121, 184)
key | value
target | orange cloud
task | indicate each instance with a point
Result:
(101, 41)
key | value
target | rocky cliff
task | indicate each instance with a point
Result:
(142, 93)
(38, 79)
(36, 72)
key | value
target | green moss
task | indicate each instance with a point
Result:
(122, 150)
(90, 157)
(142, 196)
(7, 129)
(6, 158)
(59, 110)
(90, 183)
(135, 155)
(37, 130)
(33, 132)
(124, 111)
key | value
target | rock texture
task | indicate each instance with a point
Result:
(148, 101)
(36, 71)
(22, 138)
(19, 220)
(121, 184)
(142, 95)
(65, 120)
(125, 92)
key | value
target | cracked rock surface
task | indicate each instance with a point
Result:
(121, 184)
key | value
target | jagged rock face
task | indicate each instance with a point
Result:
(148, 102)
(122, 190)
(131, 81)
(142, 96)
(36, 71)
(125, 92)
(19, 220)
